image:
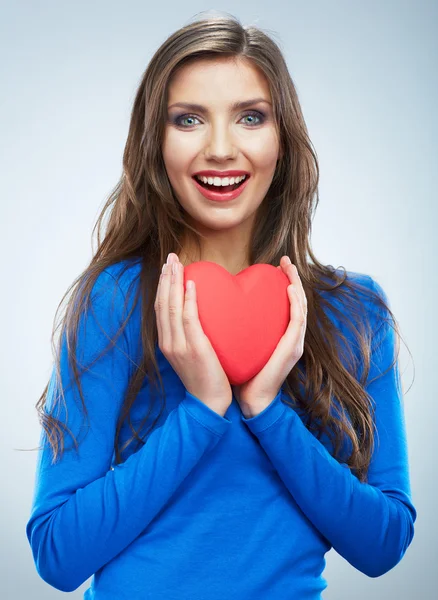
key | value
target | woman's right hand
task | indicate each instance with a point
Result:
(183, 342)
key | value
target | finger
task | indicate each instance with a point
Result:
(157, 316)
(192, 327)
(300, 290)
(292, 342)
(293, 339)
(292, 272)
(163, 307)
(296, 278)
(176, 305)
(298, 312)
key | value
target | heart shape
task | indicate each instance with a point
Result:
(244, 316)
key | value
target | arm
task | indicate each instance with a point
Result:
(370, 524)
(83, 513)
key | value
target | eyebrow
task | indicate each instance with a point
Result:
(234, 106)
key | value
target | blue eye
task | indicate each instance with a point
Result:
(257, 115)
(254, 113)
(178, 119)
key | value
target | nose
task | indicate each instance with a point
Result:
(220, 144)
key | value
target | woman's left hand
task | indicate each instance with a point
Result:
(257, 393)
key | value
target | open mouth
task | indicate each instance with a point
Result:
(221, 188)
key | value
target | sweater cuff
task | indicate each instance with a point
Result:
(205, 415)
(268, 416)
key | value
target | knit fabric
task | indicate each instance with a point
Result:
(210, 506)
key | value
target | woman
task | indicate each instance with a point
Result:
(196, 489)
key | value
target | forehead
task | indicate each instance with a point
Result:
(213, 80)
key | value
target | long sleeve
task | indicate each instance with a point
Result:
(83, 512)
(370, 524)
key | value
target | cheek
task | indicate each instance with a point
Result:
(264, 152)
(175, 159)
(178, 153)
(175, 141)
(265, 160)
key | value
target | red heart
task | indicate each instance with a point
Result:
(244, 316)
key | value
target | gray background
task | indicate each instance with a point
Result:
(366, 78)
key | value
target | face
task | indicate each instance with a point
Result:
(217, 136)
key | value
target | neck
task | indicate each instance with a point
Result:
(220, 250)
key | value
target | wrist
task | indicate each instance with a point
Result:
(220, 406)
(250, 410)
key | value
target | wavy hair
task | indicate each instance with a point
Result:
(146, 222)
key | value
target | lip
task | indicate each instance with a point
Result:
(211, 173)
(221, 196)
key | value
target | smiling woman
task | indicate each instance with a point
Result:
(214, 492)
(227, 129)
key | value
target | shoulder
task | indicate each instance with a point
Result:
(121, 276)
(359, 295)
(113, 295)
(373, 297)
(368, 287)
(116, 285)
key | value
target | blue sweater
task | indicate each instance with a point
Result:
(211, 506)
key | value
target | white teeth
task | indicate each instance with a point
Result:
(218, 181)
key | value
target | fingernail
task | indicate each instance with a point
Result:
(169, 257)
(288, 260)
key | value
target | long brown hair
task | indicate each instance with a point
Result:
(146, 222)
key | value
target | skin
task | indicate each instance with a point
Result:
(220, 138)
(223, 138)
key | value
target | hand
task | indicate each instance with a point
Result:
(257, 393)
(184, 343)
